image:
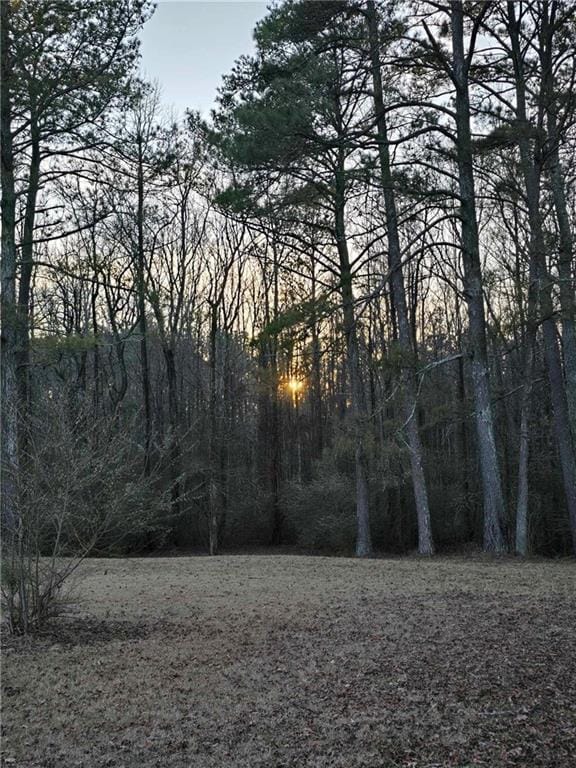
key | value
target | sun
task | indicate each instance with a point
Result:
(295, 386)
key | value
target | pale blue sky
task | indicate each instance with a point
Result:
(189, 44)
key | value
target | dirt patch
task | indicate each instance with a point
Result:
(295, 661)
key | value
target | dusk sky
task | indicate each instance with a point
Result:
(187, 46)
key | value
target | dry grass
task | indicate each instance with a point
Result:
(294, 661)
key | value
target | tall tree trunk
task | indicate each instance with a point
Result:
(95, 354)
(527, 346)
(522, 500)
(463, 449)
(174, 422)
(212, 439)
(566, 264)
(275, 457)
(358, 402)
(531, 170)
(141, 288)
(25, 284)
(425, 540)
(228, 420)
(567, 284)
(8, 308)
(275, 472)
(316, 378)
(489, 463)
(521, 540)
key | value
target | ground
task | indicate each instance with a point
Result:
(268, 661)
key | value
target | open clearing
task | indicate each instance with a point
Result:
(268, 660)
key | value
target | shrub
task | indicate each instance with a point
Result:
(322, 511)
(81, 492)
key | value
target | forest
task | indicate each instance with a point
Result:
(288, 385)
(337, 315)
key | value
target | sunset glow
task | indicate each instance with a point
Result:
(295, 386)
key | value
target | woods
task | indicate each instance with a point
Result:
(288, 383)
(337, 314)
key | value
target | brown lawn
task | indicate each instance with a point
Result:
(285, 660)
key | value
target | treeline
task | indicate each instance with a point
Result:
(339, 314)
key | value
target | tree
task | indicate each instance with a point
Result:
(171, 271)
(8, 389)
(425, 541)
(531, 164)
(63, 66)
(455, 65)
(280, 129)
(71, 62)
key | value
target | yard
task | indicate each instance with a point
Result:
(272, 661)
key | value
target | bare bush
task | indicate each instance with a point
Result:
(83, 492)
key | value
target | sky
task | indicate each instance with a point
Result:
(189, 44)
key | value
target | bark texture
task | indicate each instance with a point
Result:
(488, 455)
(8, 310)
(425, 540)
